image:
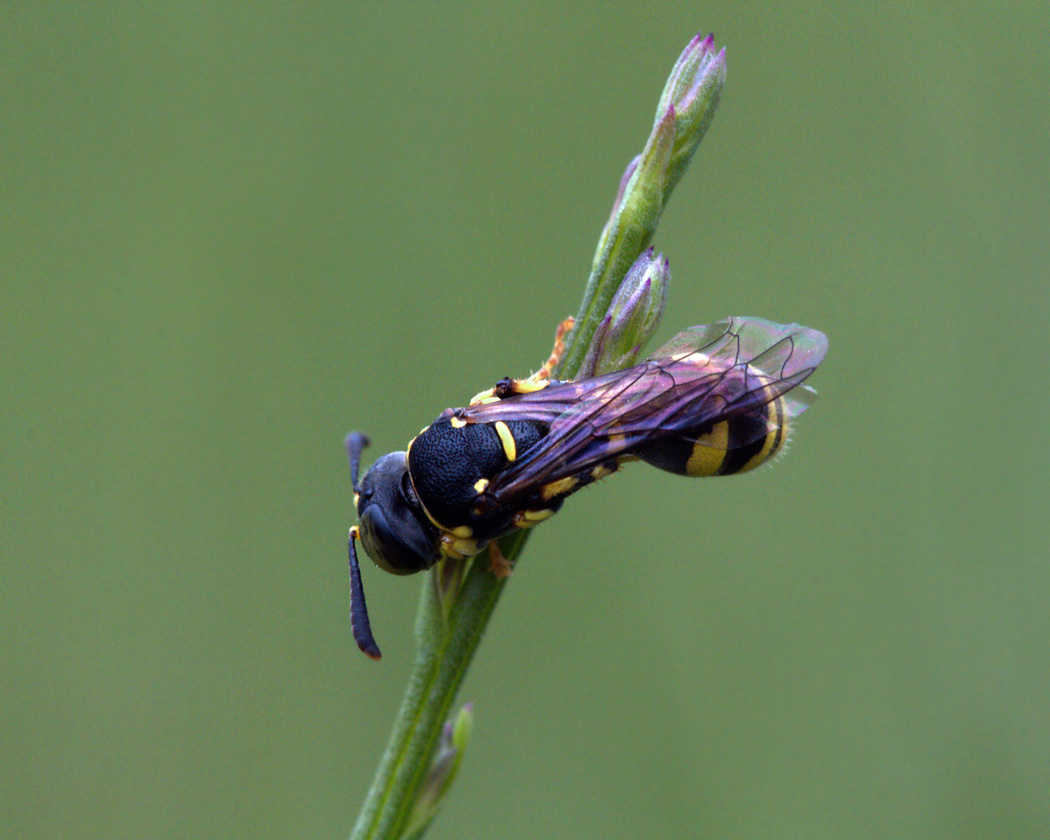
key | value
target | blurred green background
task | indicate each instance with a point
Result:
(232, 233)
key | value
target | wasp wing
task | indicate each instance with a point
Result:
(787, 353)
(702, 376)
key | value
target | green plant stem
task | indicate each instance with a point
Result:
(446, 647)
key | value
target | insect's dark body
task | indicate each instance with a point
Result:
(716, 400)
(451, 465)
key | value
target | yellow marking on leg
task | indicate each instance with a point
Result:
(514, 388)
(559, 487)
(466, 547)
(529, 518)
(458, 548)
(510, 448)
(445, 545)
(527, 386)
(463, 531)
(484, 397)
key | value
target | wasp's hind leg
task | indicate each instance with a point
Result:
(559, 347)
(509, 387)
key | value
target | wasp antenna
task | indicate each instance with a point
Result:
(355, 443)
(359, 624)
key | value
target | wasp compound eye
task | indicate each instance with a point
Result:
(394, 529)
(392, 548)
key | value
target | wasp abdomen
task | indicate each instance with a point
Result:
(452, 461)
(731, 446)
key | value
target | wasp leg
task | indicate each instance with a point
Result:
(559, 347)
(508, 387)
(499, 565)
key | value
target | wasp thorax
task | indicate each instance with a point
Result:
(394, 528)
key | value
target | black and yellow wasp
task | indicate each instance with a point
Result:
(715, 400)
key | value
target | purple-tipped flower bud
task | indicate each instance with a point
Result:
(693, 66)
(693, 90)
(443, 768)
(687, 106)
(632, 317)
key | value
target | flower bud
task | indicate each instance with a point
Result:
(687, 106)
(632, 317)
(693, 90)
(443, 769)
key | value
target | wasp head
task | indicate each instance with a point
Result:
(394, 529)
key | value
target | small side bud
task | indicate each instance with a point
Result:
(443, 768)
(632, 317)
(628, 173)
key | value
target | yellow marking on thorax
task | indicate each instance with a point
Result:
(480, 485)
(510, 448)
(433, 521)
(457, 422)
